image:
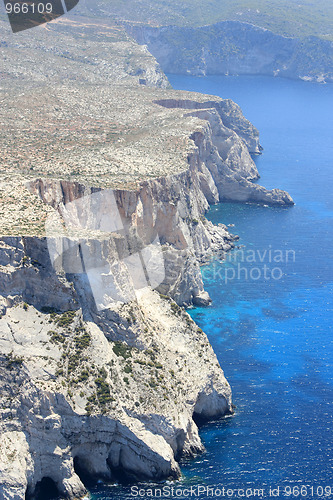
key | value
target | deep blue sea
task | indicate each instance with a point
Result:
(271, 319)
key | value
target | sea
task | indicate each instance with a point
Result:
(270, 322)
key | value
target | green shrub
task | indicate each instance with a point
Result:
(152, 382)
(82, 341)
(165, 297)
(103, 391)
(103, 373)
(89, 408)
(13, 361)
(84, 375)
(132, 318)
(176, 309)
(122, 350)
(56, 337)
(64, 319)
(73, 362)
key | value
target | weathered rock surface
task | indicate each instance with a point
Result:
(218, 167)
(77, 49)
(117, 389)
(236, 48)
(73, 397)
(85, 388)
(98, 391)
(94, 139)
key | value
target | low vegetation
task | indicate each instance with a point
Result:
(13, 361)
(287, 17)
(121, 349)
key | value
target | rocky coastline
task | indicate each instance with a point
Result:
(92, 391)
(99, 392)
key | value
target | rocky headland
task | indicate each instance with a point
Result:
(89, 390)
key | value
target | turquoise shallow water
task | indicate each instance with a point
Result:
(271, 327)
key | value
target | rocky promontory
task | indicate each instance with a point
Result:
(101, 378)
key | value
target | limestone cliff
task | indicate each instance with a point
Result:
(95, 393)
(236, 48)
(218, 167)
(92, 384)
(119, 137)
(98, 390)
(76, 50)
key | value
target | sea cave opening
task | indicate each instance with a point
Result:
(83, 470)
(46, 489)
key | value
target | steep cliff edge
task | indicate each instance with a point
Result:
(75, 402)
(93, 388)
(78, 49)
(236, 48)
(98, 377)
(117, 137)
(214, 164)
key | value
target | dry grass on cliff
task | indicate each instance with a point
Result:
(98, 135)
(73, 108)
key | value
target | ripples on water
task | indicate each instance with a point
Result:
(273, 338)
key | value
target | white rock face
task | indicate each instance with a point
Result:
(87, 390)
(104, 405)
(72, 394)
(235, 48)
(171, 207)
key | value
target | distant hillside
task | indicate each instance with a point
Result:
(295, 18)
(236, 48)
(288, 38)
